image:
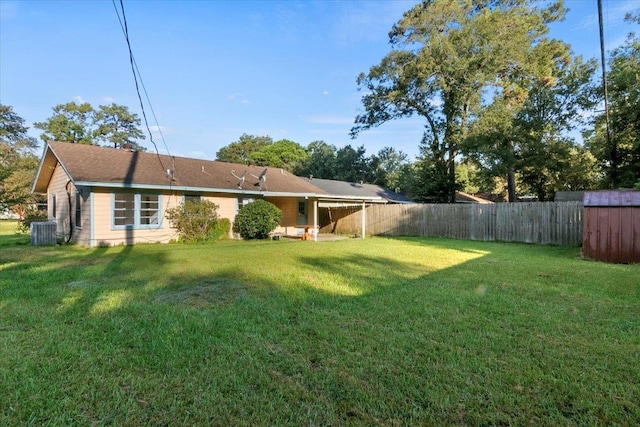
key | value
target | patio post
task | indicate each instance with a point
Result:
(364, 219)
(315, 220)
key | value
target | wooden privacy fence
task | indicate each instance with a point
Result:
(545, 223)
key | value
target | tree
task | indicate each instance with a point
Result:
(284, 154)
(18, 164)
(353, 165)
(619, 155)
(82, 124)
(388, 166)
(70, 122)
(240, 151)
(320, 163)
(118, 126)
(444, 54)
(525, 128)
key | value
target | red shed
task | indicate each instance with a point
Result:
(611, 226)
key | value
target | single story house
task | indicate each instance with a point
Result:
(105, 196)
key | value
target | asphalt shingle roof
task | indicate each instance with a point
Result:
(343, 188)
(104, 165)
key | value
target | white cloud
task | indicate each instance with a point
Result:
(325, 92)
(79, 99)
(108, 99)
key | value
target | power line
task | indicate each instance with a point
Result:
(136, 76)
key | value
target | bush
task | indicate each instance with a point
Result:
(194, 220)
(256, 220)
(220, 229)
(31, 215)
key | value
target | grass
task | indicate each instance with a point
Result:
(378, 331)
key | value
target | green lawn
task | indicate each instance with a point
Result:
(379, 331)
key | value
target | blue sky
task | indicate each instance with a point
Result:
(217, 69)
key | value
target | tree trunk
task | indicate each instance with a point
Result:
(511, 183)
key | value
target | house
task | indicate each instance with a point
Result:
(106, 196)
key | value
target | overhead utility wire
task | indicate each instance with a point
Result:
(134, 69)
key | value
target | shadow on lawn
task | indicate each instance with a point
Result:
(348, 337)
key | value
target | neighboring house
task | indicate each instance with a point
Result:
(106, 196)
(462, 197)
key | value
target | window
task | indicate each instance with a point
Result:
(53, 206)
(302, 208)
(243, 201)
(149, 209)
(192, 198)
(78, 222)
(136, 210)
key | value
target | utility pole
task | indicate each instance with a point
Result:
(612, 147)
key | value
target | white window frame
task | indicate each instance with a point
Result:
(146, 213)
(242, 202)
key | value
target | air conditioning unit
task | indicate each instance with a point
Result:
(43, 233)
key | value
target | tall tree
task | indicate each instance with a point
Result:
(240, 151)
(525, 128)
(18, 163)
(284, 154)
(620, 158)
(388, 167)
(118, 126)
(444, 54)
(70, 122)
(352, 165)
(321, 162)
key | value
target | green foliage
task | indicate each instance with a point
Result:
(520, 136)
(444, 54)
(352, 165)
(70, 122)
(284, 154)
(194, 220)
(220, 229)
(241, 151)
(619, 155)
(31, 215)
(256, 220)
(118, 126)
(387, 168)
(18, 164)
(82, 124)
(321, 162)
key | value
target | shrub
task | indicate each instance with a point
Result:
(220, 229)
(194, 219)
(256, 220)
(31, 215)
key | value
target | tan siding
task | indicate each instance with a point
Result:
(82, 232)
(57, 185)
(105, 235)
(289, 208)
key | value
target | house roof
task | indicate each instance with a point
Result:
(110, 167)
(462, 197)
(612, 198)
(343, 188)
